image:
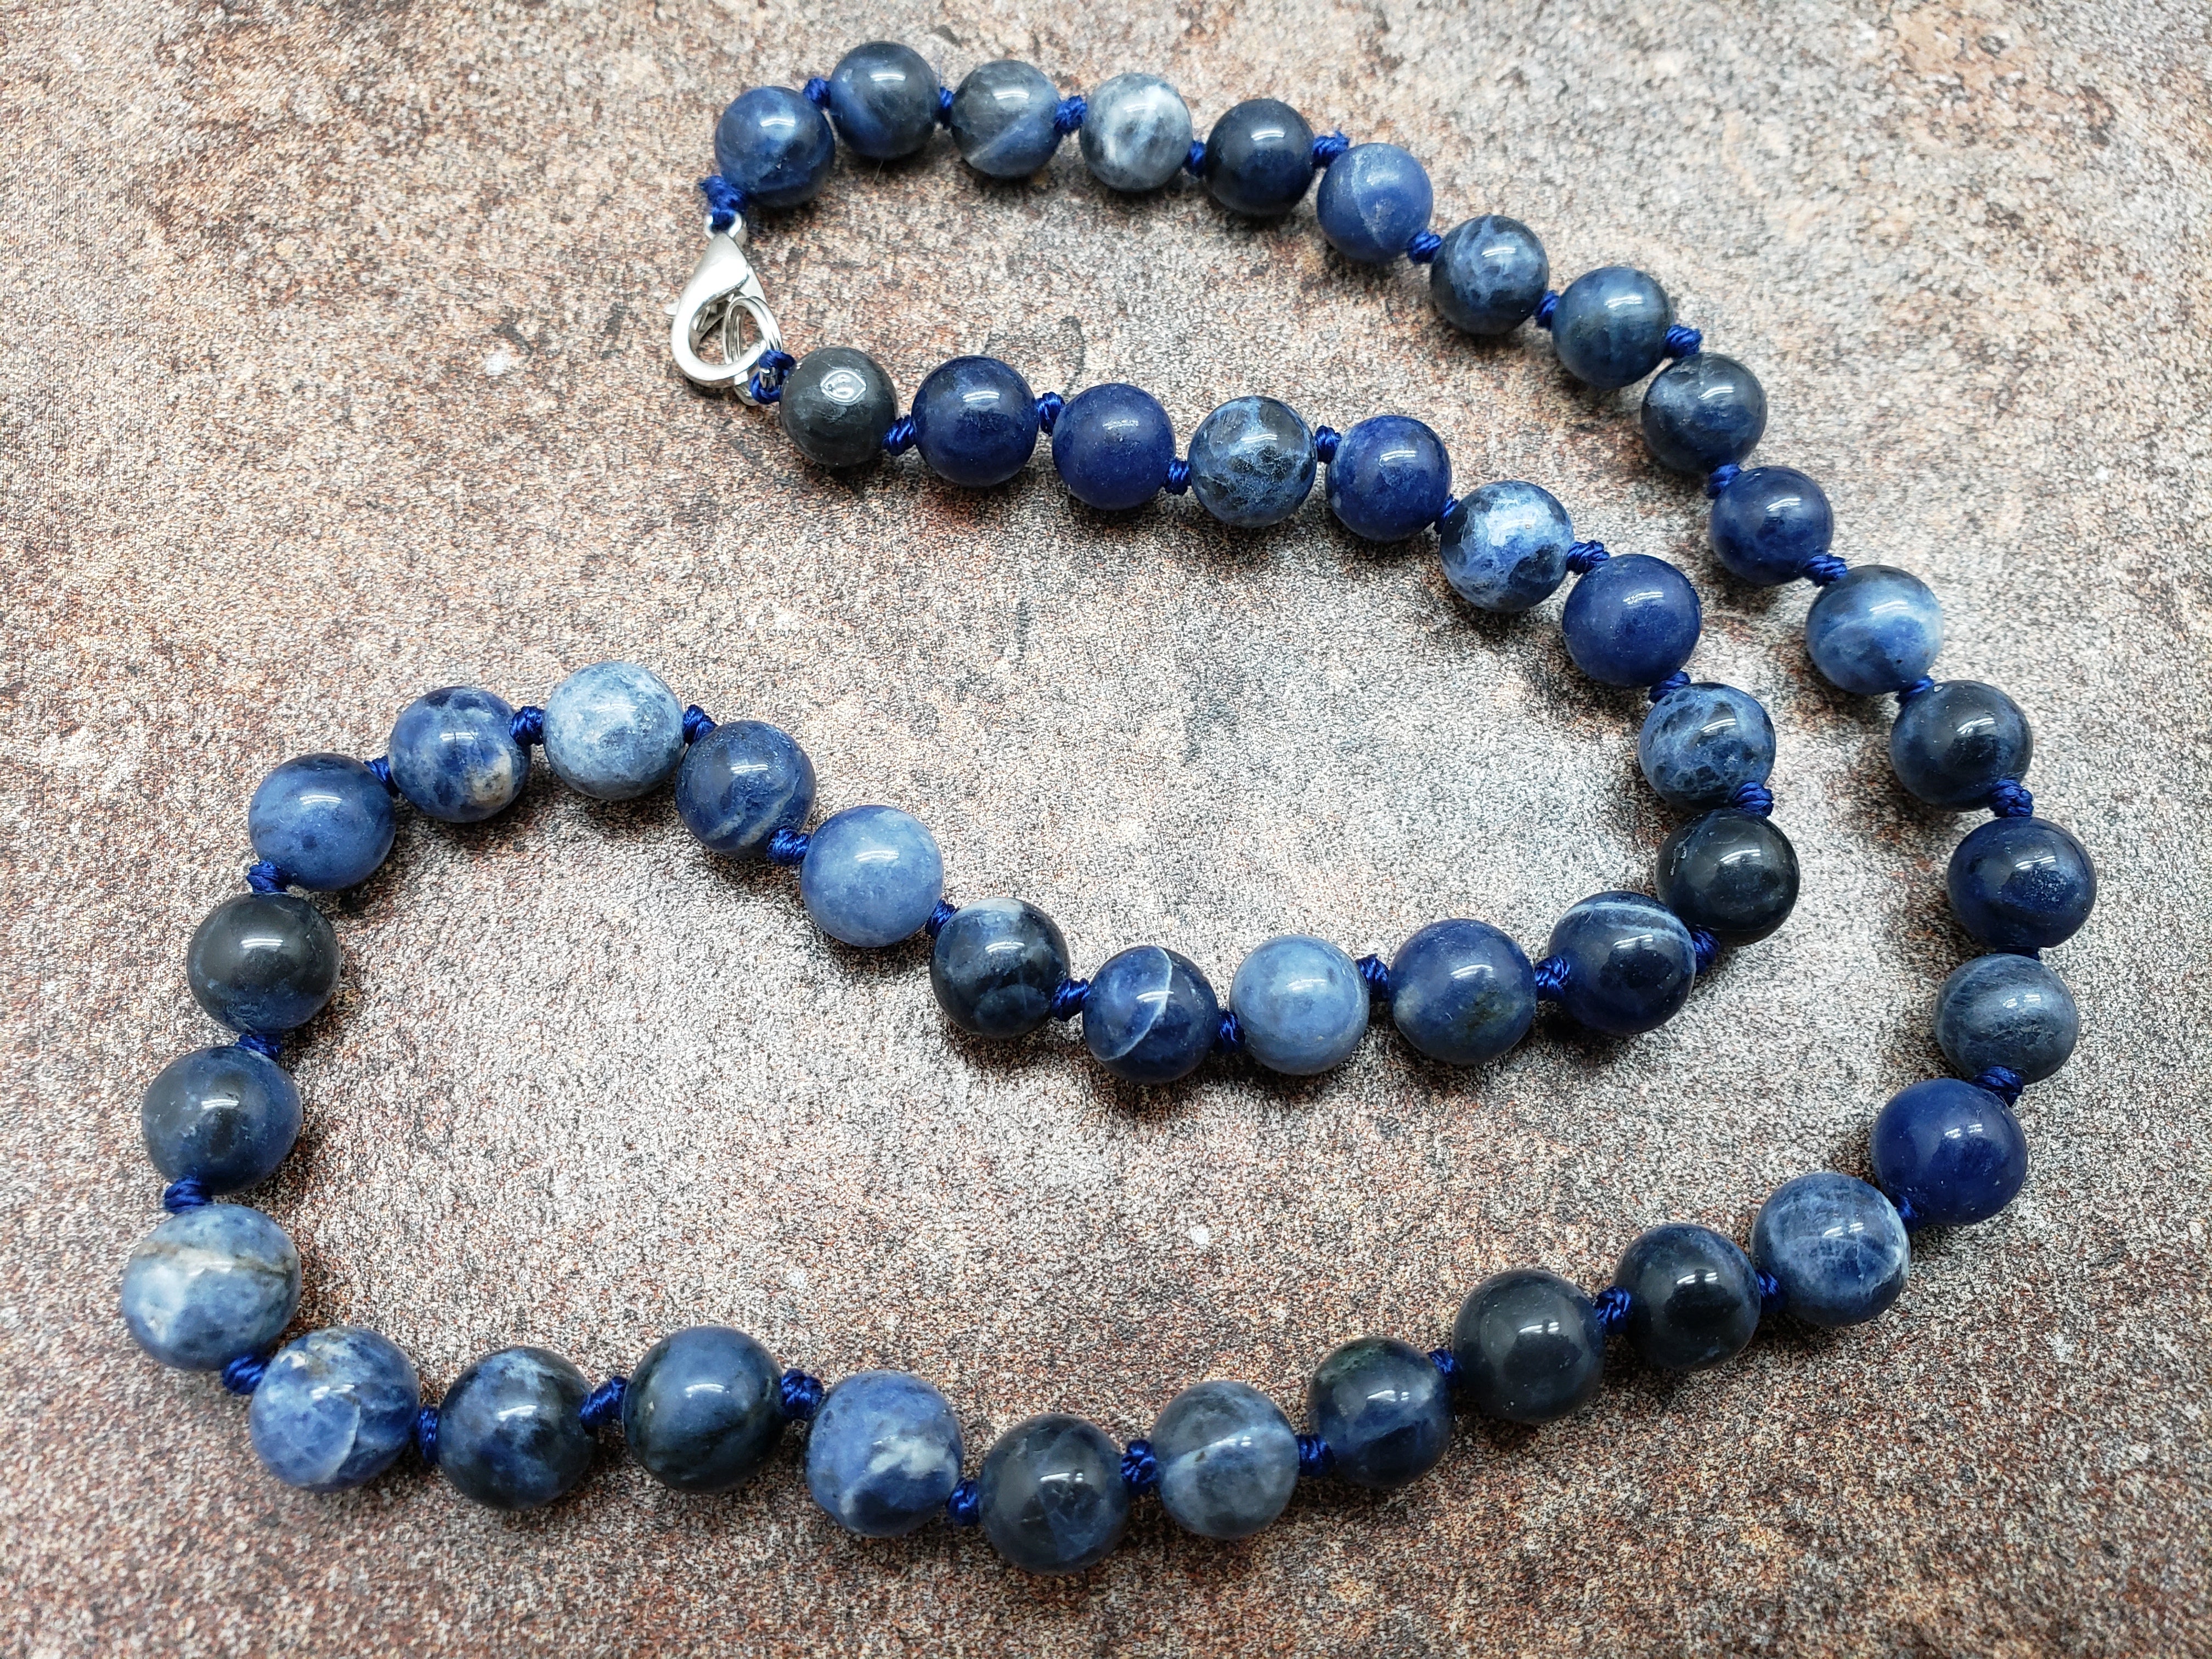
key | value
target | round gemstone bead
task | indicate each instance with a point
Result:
(1252, 462)
(1489, 275)
(1383, 1409)
(873, 875)
(883, 100)
(975, 421)
(511, 1432)
(1767, 522)
(775, 146)
(1528, 1347)
(1702, 410)
(1300, 1003)
(1373, 200)
(1692, 1297)
(1703, 742)
(1461, 991)
(453, 753)
(1954, 741)
(1111, 446)
(1733, 874)
(837, 405)
(1949, 1152)
(333, 1409)
(1835, 1246)
(1505, 547)
(263, 962)
(1259, 159)
(1629, 963)
(1002, 119)
(209, 1286)
(1632, 621)
(1150, 1016)
(224, 1117)
(1228, 1459)
(1610, 326)
(2021, 884)
(613, 731)
(1136, 133)
(1391, 478)
(1050, 1497)
(1877, 630)
(883, 1453)
(2008, 1011)
(995, 966)
(703, 1410)
(741, 783)
(325, 820)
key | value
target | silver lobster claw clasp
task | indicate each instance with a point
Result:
(724, 290)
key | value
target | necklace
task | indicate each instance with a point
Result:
(214, 1287)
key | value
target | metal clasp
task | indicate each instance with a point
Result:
(724, 289)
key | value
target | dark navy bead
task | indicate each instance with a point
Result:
(325, 820)
(1002, 119)
(1383, 1409)
(883, 1453)
(2020, 884)
(703, 1411)
(1629, 962)
(1228, 1459)
(224, 1117)
(1461, 991)
(1136, 133)
(837, 404)
(1150, 1016)
(1949, 1152)
(1050, 1496)
(775, 146)
(2008, 1011)
(1875, 630)
(453, 753)
(1252, 462)
(1489, 275)
(975, 421)
(613, 731)
(1528, 1347)
(1373, 200)
(1610, 326)
(1768, 521)
(210, 1285)
(883, 100)
(263, 962)
(1301, 1003)
(333, 1409)
(1506, 549)
(1835, 1246)
(995, 966)
(872, 876)
(1632, 621)
(1953, 742)
(1112, 445)
(1702, 412)
(1733, 873)
(1391, 477)
(511, 1432)
(741, 783)
(1702, 742)
(1259, 158)
(1692, 1297)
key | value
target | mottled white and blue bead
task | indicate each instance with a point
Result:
(872, 876)
(1505, 547)
(263, 962)
(1875, 629)
(2008, 1011)
(883, 1453)
(1228, 1459)
(741, 783)
(209, 1286)
(1252, 462)
(453, 753)
(1835, 1246)
(511, 1432)
(1489, 275)
(325, 820)
(333, 1409)
(224, 1117)
(1382, 1408)
(1703, 742)
(1528, 1347)
(1150, 1015)
(1002, 119)
(1050, 1495)
(1136, 133)
(703, 1409)
(613, 731)
(1373, 200)
(1300, 1003)
(1461, 991)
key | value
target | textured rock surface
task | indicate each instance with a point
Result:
(337, 372)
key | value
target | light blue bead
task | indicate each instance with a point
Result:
(333, 1409)
(975, 421)
(883, 100)
(1461, 991)
(1768, 521)
(1528, 1347)
(1949, 1152)
(1391, 478)
(453, 754)
(1610, 326)
(1632, 621)
(2020, 884)
(1111, 446)
(613, 731)
(883, 1453)
(1050, 1495)
(326, 820)
(740, 784)
(1373, 200)
(1702, 743)
(1136, 133)
(1835, 1246)
(775, 146)
(1954, 742)
(1252, 462)
(873, 875)
(1629, 963)
(703, 1409)
(1505, 546)
(1228, 1459)
(511, 1432)
(1703, 411)
(210, 1285)
(1877, 630)
(1301, 1004)
(224, 1117)
(1383, 1409)
(1150, 1015)
(2008, 1011)
(1002, 119)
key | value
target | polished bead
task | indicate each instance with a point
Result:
(1150, 1016)
(1050, 1496)
(873, 875)
(835, 406)
(1002, 119)
(1504, 548)
(1528, 1347)
(741, 783)
(1136, 133)
(1610, 326)
(1461, 991)
(263, 962)
(210, 1285)
(975, 421)
(1228, 1459)
(1767, 522)
(1877, 630)
(1252, 462)
(453, 754)
(613, 731)
(1301, 1004)
(2008, 1011)
(333, 1409)
(1703, 742)
(995, 966)
(883, 100)
(1949, 1152)
(1383, 1409)
(1834, 1245)
(511, 1430)
(1391, 477)
(1632, 621)
(1489, 275)
(1629, 960)
(1259, 158)
(224, 1117)
(703, 1409)
(1693, 1297)
(775, 146)
(1702, 412)
(1373, 200)
(325, 820)
(883, 1453)
(2021, 884)
(1954, 741)
(1111, 446)
(1733, 873)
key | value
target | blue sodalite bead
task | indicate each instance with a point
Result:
(1373, 200)
(1954, 741)
(1950, 1153)
(703, 1410)
(224, 1117)
(613, 731)
(1461, 991)
(1528, 1347)
(1301, 1004)
(263, 962)
(1692, 1297)
(1702, 742)
(1733, 873)
(1505, 548)
(1610, 326)
(995, 966)
(1629, 963)
(333, 1409)
(1002, 119)
(1252, 462)
(210, 1284)
(775, 146)
(1112, 445)
(1259, 158)
(1136, 133)
(1391, 477)
(883, 1453)
(975, 421)
(837, 406)
(1632, 621)
(2020, 884)
(883, 100)
(1228, 1459)
(1767, 522)
(1702, 410)
(741, 783)
(2008, 1011)
(511, 1432)
(1835, 1246)
(325, 820)
(453, 753)
(1875, 630)
(1050, 1495)
(1150, 1015)
(873, 875)
(1489, 275)
(1383, 1409)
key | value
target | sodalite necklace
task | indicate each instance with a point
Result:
(215, 1286)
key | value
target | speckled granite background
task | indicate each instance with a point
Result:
(335, 370)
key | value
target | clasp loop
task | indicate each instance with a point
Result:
(724, 289)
